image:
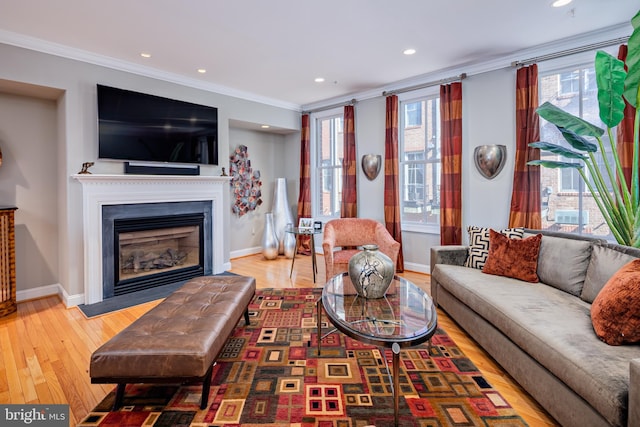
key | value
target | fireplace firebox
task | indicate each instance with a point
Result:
(156, 251)
(154, 244)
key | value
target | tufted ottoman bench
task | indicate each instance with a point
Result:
(179, 339)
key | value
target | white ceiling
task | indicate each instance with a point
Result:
(275, 49)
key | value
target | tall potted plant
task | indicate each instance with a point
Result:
(619, 205)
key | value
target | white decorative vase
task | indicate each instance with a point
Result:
(281, 212)
(269, 238)
(371, 272)
(289, 242)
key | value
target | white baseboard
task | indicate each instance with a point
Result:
(41, 292)
(244, 252)
(418, 268)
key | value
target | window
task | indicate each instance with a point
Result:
(420, 164)
(413, 114)
(567, 204)
(328, 165)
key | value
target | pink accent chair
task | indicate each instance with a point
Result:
(342, 235)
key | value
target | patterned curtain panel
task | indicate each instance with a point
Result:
(349, 205)
(451, 158)
(525, 198)
(391, 179)
(624, 138)
(304, 199)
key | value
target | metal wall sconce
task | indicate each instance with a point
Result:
(371, 164)
(490, 159)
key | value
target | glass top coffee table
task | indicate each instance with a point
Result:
(405, 317)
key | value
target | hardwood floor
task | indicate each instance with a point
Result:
(45, 348)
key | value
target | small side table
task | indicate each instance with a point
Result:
(7, 261)
(304, 232)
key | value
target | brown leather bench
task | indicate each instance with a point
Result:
(178, 340)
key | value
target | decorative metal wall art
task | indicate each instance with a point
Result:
(371, 164)
(245, 182)
(490, 159)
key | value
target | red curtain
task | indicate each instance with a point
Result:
(349, 205)
(624, 137)
(525, 197)
(391, 180)
(304, 198)
(451, 158)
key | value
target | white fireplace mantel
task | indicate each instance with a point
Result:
(100, 190)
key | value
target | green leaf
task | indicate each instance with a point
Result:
(557, 149)
(552, 164)
(610, 75)
(578, 142)
(562, 119)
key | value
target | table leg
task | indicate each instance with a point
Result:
(319, 320)
(313, 258)
(293, 260)
(395, 349)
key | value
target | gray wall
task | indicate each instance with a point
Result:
(27, 179)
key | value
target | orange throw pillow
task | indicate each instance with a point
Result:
(517, 258)
(615, 312)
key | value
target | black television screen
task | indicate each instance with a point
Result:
(141, 127)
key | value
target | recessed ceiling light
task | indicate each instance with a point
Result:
(560, 3)
(202, 70)
(409, 51)
(265, 126)
(319, 79)
(145, 55)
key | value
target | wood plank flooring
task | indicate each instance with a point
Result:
(45, 348)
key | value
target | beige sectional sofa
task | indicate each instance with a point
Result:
(542, 334)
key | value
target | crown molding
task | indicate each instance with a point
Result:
(494, 64)
(43, 46)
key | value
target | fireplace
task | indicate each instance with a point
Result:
(111, 201)
(154, 244)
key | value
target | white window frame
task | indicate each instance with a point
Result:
(316, 118)
(405, 98)
(563, 65)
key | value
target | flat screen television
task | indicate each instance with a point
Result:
(135, 126)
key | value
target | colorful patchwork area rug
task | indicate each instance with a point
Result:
(269, 374)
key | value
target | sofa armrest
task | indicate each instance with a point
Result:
(451, 254)
(634, 393)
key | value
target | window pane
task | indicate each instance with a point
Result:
(567, 204)
(328, 190)
(420, 163)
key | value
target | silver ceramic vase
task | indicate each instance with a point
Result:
(281, 212)
(289, 242)
(371, 272)
(269, 238)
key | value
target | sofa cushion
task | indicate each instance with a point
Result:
(605, 261)
(517, 258)
(569, 274)
(552, 326)
(479, 244)
(615, 312)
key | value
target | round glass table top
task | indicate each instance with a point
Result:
(406, 315)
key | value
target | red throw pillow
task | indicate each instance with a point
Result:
(615, 312)
(517, 258)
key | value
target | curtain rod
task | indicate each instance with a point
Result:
(329, 107)
(424, 85)
(607, 43)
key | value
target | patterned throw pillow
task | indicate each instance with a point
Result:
(479, 243)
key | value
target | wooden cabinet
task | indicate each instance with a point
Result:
(7, 261)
